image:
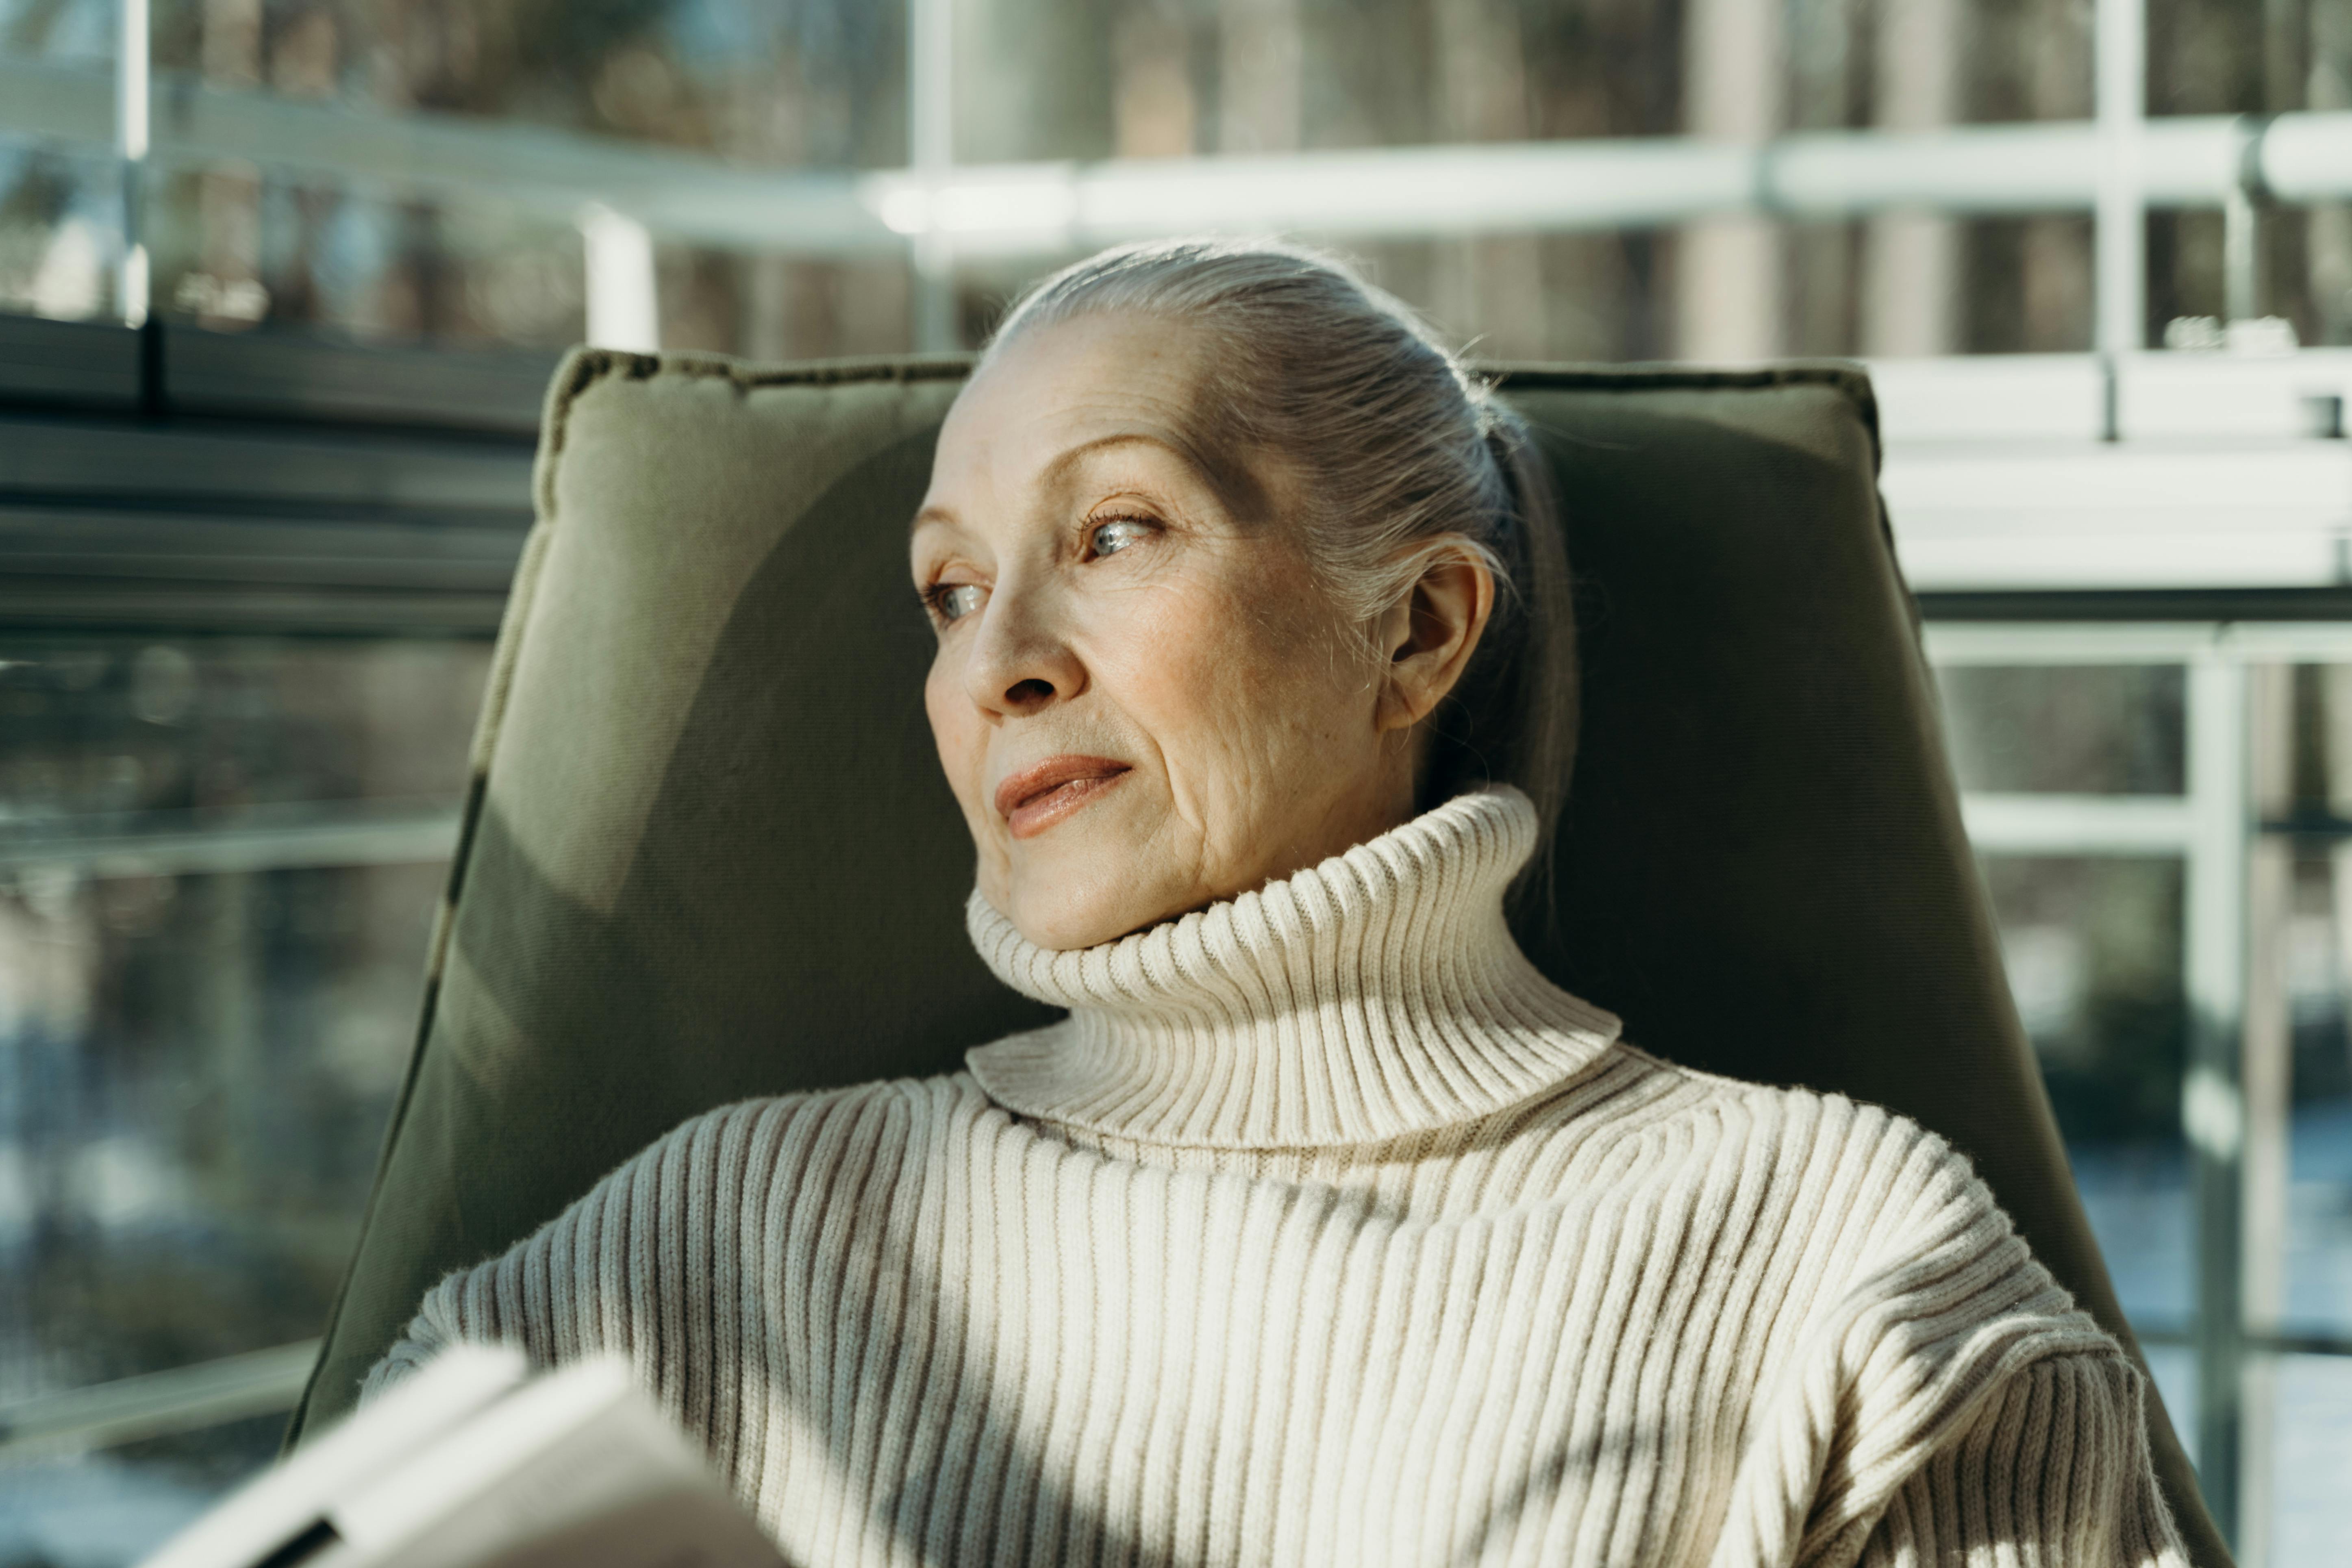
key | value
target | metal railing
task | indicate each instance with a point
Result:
(1042, 207)
(2116, 165)
(2212, 826)
(156, 1404)
(262, 838)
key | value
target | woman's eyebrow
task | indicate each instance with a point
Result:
(1241, 492)
(1057, 469)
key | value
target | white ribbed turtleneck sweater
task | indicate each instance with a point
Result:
(1326, 1230)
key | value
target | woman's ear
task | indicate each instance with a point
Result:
(1428, 635)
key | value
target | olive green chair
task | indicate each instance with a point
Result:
(707, 852)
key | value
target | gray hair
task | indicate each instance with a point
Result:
(1408, 456)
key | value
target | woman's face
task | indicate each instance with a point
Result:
(1143, 696)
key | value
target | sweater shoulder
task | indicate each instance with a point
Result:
(719, 1159)
(918, 1109)
(1898, 1194)
(1796, 1118)
(1894, 1252)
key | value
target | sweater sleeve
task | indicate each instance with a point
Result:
(550, 1295)
(1951, 1404)
(622, 1269)
(2053, 1470)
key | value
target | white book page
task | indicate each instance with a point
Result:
(577, 1471)
(276, 1508)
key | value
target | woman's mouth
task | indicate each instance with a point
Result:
(1035, 798)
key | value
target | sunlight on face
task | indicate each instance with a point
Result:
(1143, 698)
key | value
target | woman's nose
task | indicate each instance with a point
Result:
(1020, 664)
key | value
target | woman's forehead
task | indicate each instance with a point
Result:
(1049, 408)
(1073, 383)
(1064, 399)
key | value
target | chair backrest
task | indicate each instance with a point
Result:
(708, 854)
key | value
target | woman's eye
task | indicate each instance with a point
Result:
(1111, 538)
(954, 601)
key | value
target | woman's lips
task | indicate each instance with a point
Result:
(1035, 798)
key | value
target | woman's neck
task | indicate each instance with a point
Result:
(1376, 996)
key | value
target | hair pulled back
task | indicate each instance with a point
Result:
(1405, 456)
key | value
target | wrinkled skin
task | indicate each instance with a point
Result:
(1103, 592)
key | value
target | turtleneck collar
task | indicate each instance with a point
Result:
(1375, 995)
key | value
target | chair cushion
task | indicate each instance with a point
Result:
(708, 853)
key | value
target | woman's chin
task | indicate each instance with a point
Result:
(1065, 907)
(1064, 924)
(1086, 880)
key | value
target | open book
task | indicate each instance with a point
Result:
(473, 1462)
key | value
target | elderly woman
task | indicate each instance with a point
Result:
(1324, 1229)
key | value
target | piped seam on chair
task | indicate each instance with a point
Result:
(1847, 375)
(584, 367)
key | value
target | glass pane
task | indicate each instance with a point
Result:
(236, 248)
(2318, 1294)
(103, 726)
(1538, 297)
(2092, 949)
(2174, 1368)
(2071, 730)
(1067, 79)
(781, 307)
(75, 32)
(823, 85)
(1073, 78)
(1580, 297)
(2025, 285)
(815, 83)
(111, 1509)
(219, 864)
(233, 244)
(59, 223)
(2311, 1450)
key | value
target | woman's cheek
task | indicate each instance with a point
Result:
(1167, 661)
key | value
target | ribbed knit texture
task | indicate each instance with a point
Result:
(1325, 1231)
